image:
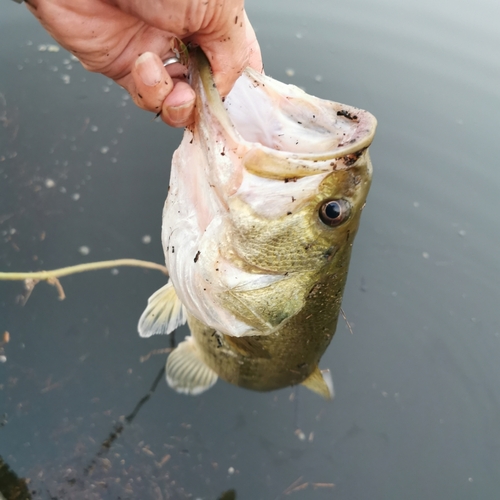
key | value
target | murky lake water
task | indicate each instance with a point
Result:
(417, 411)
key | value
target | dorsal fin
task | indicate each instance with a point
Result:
(320, 382)
(163, 314)
(186, 372)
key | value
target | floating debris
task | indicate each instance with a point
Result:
(84, 250)
(48, 48)
(300, 435)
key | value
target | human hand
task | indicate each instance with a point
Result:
(127, 40)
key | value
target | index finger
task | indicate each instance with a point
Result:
(231, 50)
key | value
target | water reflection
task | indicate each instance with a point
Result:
(107, 473)
(11, 486)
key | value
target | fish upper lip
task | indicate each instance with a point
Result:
(361, 137)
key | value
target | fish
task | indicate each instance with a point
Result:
(264, 201)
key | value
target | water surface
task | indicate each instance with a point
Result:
(417, 410)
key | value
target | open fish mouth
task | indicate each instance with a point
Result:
(306, 135)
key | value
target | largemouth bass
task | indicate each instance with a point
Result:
(265, 198)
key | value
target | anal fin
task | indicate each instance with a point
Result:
(163, 314)
(186, 371)
(320, 382)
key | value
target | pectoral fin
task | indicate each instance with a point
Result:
(186, 371)
(320, 382)
(163, 314)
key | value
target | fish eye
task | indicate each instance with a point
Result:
(334, 212)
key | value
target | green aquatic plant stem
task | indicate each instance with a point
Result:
(81, 268)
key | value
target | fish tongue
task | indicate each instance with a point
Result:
(278, 166)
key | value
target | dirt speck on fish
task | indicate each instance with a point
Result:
(265, 198)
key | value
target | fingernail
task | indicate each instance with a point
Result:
(148, 69)
(179, 114)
